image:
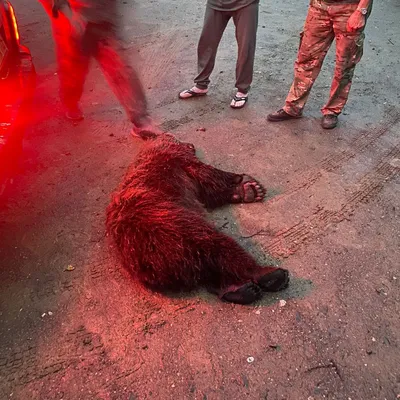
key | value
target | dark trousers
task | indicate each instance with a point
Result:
(101, 42)
(215, 22)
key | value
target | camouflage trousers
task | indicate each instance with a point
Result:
(99, 41)
(324, 23)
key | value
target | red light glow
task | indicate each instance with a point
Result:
(14, 21)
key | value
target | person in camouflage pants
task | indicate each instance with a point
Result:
(83, 29)
(343, 20)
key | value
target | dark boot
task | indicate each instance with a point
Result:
(74, 113)
(329, 121)
(281, 115)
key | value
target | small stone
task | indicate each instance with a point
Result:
(258, 312)
(201, 129)
(282, 303)
(50, 313)
(250, 360)
(70, 268)
(43, 315)
(373, 339)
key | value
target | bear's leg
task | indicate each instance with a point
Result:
(218, 187)
(169, 247)
(266, 280)
(249, 283)
(189, 252)
(234, 275)
(246, 293)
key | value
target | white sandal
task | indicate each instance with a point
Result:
(193, 92)
(238, 98)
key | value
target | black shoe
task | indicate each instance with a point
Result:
(281, 115)
(146, 130)
(329, 121)
(74, 114)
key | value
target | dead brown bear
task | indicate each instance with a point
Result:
(157, 221)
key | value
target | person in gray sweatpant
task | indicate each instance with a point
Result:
(218, 13)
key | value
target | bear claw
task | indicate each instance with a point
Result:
(245, 294)
(248, 191)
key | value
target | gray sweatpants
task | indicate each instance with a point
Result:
(215, 22)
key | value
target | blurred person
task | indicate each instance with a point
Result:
(83, 29)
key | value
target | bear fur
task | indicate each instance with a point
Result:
(157, 220)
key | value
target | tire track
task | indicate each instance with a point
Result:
(28, 364)
(289, 240)
(160, 57)
(335, 160)
(172, 124)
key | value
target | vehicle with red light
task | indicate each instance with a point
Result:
(17, 86)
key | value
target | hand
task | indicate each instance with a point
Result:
(78, 24)
(356, 21)
(73, 21)
(57, 6)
